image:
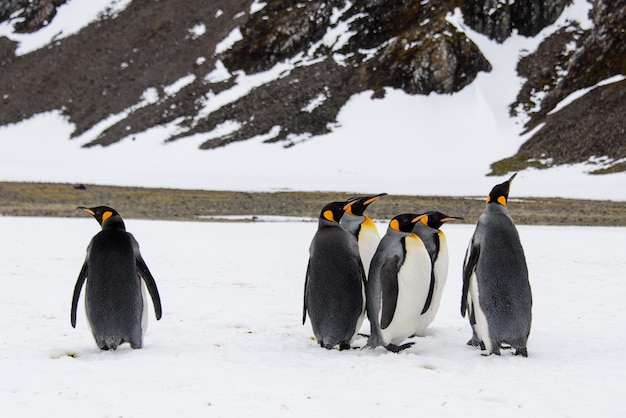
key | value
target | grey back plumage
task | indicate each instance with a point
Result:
(335, 285)
(113, 270)
(496, 257)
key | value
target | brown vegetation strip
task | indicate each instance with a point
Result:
(60, 200)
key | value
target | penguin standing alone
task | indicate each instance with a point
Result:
(437, 246)
(398, 283)
(334, 289)
(496, 291)
(362, 226)
(115, 300)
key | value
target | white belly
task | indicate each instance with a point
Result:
(441, 275)
(481, 328)
(413, 284)
(144, 313)
(368, 242)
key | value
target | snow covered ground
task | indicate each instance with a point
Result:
(231, 342)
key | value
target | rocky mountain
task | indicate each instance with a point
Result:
(160, 62)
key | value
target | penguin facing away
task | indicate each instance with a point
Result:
(496, 291)
(436, 244)
(115, 300)
(397, 288)
(362, 226)
(334, 289)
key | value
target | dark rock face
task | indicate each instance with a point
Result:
(33, 14)
(498, 18)
(410, 46)
(569, 60)
(329, 50)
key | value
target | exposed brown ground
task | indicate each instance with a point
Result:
(61, 200)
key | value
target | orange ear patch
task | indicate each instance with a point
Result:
(328, 215)
(502, 200)
(106, 215)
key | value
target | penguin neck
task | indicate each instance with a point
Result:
(325, 223)
(420, 228)
(495, 208)
(114, 222)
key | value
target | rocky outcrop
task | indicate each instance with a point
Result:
(335, 49)
(591, 129)
(30, 15)
(498, 18)
(326, 50)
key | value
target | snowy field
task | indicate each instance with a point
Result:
(231, 342)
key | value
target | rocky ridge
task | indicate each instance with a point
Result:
(135, 58)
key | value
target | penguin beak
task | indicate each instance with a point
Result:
(347, 206)
(374, 198)
(89, 211)
(417, 218)
(451, 218)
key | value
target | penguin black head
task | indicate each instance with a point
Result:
(500, 193)
(357, 205)
(435, 219)
(107, 217)
(332, 212)
(405, 222)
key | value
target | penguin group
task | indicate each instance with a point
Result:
(397, 281)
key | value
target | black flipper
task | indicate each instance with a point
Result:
(431, 290)
(150, 284)
(306, 284)
(77, 288)
(389, 285)
(471, 258)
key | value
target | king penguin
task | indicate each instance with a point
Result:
(398, 283)
(334, 289)
(115, 300)
(496, 291)
(437, 246)
(362, 226)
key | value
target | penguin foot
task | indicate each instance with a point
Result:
(476, 343)
(397, 348)
(329, 346)
(521, 352)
